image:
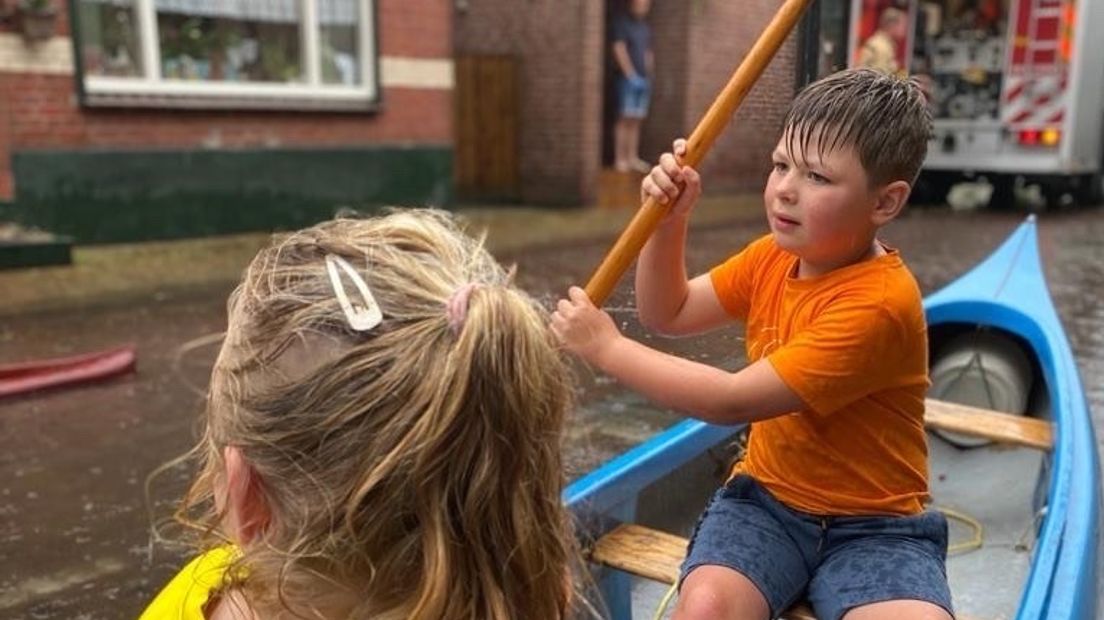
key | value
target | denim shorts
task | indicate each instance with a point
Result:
(634, 96)
(836, 563)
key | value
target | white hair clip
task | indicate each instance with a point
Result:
(362, 315)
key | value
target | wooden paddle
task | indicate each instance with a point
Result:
(644, 223)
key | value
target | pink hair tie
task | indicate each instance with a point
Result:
(456, 308)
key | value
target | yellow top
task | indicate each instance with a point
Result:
(187, 594)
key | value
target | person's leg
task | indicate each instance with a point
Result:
(719, 593)
(621, 160)
(633, 148)
(899, 610)
(640, 101)
(883, 567)
(743, 561)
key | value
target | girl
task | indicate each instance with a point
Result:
(382, 437)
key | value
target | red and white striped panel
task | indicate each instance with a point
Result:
(1034, 101)
(1034, 93)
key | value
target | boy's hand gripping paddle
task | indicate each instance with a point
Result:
(644, 223)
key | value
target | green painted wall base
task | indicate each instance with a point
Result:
(113, 196)
(15, 254)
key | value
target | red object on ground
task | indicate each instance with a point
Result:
(24, 377)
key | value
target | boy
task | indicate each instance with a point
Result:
(828, 501)
(632, 52)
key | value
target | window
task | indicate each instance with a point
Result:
(298, 54)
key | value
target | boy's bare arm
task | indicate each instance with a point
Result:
(702, 391)
(710, 394)
(661, 282)
(666, 301)
(670, 305)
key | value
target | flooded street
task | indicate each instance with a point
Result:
(74, 524)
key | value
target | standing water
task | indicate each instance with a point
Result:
(74, 525)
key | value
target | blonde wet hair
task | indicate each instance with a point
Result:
(415, 468)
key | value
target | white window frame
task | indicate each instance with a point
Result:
(153, 90)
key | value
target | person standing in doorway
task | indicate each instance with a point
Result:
(632, 51)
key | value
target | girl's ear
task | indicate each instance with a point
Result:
(891, 200)
(241, 499)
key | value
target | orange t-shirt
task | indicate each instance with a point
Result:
(852, 343)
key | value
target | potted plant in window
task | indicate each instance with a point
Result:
(38, 19)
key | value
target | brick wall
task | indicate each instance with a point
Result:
(7, 188)
(43, 114)
(740, 158)
(668, 115)
(698, 47)
(561, 45)
(41, 110)
(11, 24)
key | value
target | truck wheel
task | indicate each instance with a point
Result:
(1090, 189)
(1058, 194)
(932, 187)
(1003, 197)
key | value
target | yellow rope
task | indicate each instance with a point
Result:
(665, 601)
(975, 541)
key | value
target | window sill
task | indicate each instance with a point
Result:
(136, 92)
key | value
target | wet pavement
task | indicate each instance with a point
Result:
(74, 520)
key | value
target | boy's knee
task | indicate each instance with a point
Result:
(714, 592)
(702, 602)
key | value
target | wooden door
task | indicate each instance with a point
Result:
(487, 128)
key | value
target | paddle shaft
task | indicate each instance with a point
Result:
(644, 223)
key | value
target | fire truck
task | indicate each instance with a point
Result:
(1017, 89)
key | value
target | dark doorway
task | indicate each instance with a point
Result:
(823, 33)
(609, 82)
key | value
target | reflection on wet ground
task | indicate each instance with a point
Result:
(74, 524)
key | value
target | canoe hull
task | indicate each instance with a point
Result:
(1006, 292)
(27, 377)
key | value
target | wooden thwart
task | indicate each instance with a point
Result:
(656, 555)
(1002, 427)
(641, 551)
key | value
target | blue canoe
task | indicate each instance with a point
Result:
(1040, 509)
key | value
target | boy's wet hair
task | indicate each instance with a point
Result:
(886, 120)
